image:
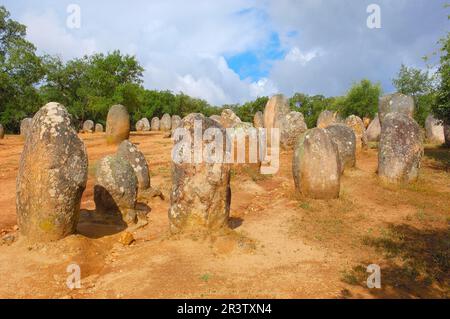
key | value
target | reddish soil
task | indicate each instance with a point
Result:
(279, 245)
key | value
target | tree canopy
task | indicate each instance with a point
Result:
(420, 85)
(441, 107)
(21, 70)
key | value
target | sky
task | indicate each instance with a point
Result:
(232, 51)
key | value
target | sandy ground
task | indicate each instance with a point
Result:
(279, 245)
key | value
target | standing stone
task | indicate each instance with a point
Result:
(155, 124)
(316, 166)
(327, 118)
(88, 126)
(176, 122)
(132, 155)
(216, 118)
(228, 118)
(291, 125)
(374, 130)
(397, 102)
(138, 126)
(98, 128)
(52, 176)
(2, 132)
(357, 125)
(115, 189)
(25, 125)
(166, 123)
(345, 140)
(447, 134)
(277, 106)
(366, 122)
(434, 130)
(117, 125)
(242, 128)
(400, 149)
(201, 193)
(258, 120)
(143, 125)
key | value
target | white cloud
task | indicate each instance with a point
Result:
(296, 55)
(48, 32)
(211, 79)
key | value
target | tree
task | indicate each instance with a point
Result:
(310, 106)
(21, 71)
(361, 99)
(90, 85)
(412, 81)
(247, 111)
(441, 108)
(419, 85)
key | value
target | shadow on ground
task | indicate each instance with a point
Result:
(441, 155)
(417, 264)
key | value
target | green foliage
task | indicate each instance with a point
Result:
(442, 106)
(361, 100)
(420, 85)
(412, 81)
(424, 105)
(20, 72)
(310, 106)
(247, 111)
(90, 85)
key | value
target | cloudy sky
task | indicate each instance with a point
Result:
(232, 51)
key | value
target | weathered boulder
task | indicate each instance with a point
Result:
(176, 122)
(291, 126)
(366, 121)
(98, 128)
(400, 149)
(326, 118)
(397, 102)
(138, 126)
(276, 106)
(374, 130)
(216, 118)
(316, 166)
(165, 123)
(52, 176)
(201, 194)
(2, 132)
(258, 120)
(25, 125)
(143, 125)
(241, 128)
(345, 140)
(117, 125)
(88, 126)
(116, 187)
(228, 119)
(155, 124)
(357, 125)
(434, 130)
(447, 134)
(136, 158)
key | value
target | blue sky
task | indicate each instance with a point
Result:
(233, 51)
